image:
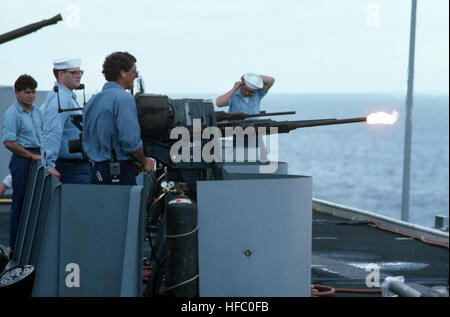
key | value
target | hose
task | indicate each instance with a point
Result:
(319, 290)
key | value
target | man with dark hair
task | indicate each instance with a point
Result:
(58, 127)
(21, 134)
(111, 132)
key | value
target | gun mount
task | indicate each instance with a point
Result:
(159, 116)
(162, 121)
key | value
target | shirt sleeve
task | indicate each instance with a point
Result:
(8, 181)
(262, 93)
(230, 103)
(129, 132)
(51, 135)
(9, 127)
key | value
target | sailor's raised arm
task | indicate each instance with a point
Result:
(268, 82)
(222, 101)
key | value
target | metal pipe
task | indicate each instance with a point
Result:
(222, 116)
(314, 123)
(403, 290)
(408, 120)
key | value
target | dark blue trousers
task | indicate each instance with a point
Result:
(76, 172)
(101, 175)
(19, 168)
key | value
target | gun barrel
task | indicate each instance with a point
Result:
(28, 29)
(313, 123)
(268, 114)
(286, 126)
(222, 116)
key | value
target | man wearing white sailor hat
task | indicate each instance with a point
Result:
(59, 128)
(246, 95)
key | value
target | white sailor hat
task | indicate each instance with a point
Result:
(253, 81)
(66, 63)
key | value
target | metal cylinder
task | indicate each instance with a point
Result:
(403, 290)
(182, 248)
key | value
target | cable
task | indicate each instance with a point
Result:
(319, 290)
(152, 282)
(358, 291)
(181, 283)
(183, 234)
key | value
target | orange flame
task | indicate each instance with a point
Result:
(382, 118)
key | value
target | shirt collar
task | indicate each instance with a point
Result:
(239, 93)
(22, 109)
(66, 90)
(111, 85)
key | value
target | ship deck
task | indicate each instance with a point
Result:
(343, 250)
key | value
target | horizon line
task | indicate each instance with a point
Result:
(433, 93)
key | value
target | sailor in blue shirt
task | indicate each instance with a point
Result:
(21, 134)
(111, 132)
(245, 96)
(58, 127)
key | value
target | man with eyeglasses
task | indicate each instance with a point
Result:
(21, 134)
(58, 127)
(111, 132)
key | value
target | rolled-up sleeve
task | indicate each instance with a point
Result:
(262, 93)
(51, 134)
(9, 126)
(129, 132)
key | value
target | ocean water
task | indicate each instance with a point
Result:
(361, 165)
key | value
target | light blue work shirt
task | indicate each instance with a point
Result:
(110, 122)
(58, 128)
(22, 126)
(237, 102)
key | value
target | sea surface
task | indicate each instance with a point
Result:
(361, 165)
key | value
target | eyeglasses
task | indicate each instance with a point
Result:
(134, 71)
(75, 72)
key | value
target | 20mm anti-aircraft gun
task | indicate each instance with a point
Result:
(163, 120)
(184, 136)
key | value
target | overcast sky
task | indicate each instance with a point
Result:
(204, 46)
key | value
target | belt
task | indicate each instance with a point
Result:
(35, 149)
(121, 162)
(64, 160)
